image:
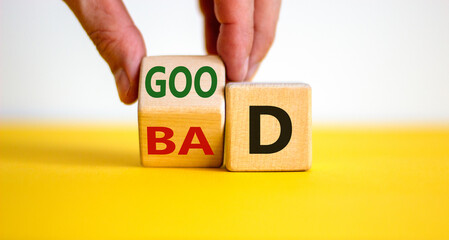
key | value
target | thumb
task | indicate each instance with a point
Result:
(117, 39)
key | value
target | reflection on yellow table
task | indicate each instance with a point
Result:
(69, 182)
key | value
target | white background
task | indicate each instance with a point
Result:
(367, 61)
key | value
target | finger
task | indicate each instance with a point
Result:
(211, 25)
(236, 35)
(266, 15)
(117, 39)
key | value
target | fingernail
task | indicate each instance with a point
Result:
(252, 71)
(245, 67)
(122, 82)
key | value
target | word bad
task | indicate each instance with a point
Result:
(171, 82)
(254, 135)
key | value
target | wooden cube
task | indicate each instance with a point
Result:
(268, 127)
(181, 111)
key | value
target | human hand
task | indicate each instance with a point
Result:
(241, 32)
(117, 39)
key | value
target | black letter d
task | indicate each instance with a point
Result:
(254, 129)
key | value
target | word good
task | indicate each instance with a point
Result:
(181, 120)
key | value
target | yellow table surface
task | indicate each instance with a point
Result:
(86, 182)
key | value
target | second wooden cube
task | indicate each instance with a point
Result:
(268, 127)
